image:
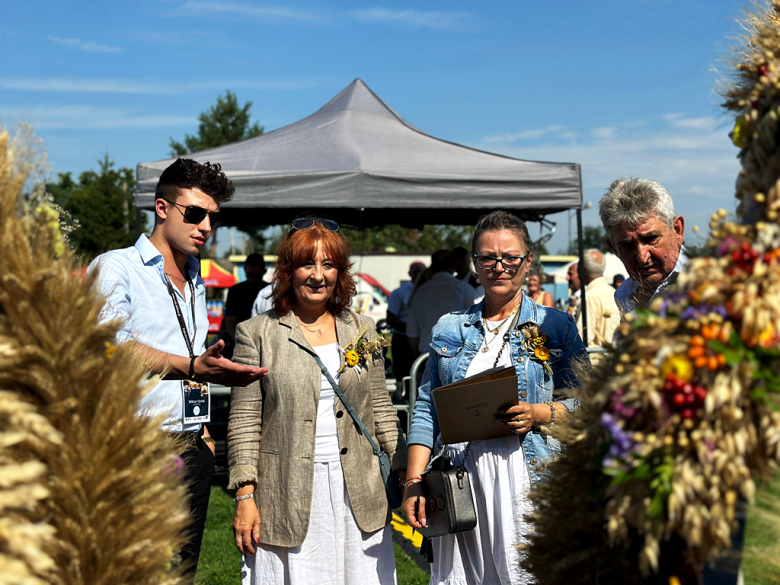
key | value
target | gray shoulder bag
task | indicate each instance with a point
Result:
(390, 480)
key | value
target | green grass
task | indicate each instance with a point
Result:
(220, 561)
(761, 559)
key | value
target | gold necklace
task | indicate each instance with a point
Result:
(317, 331)
(496, 331)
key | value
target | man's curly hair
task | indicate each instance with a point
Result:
(186, 173)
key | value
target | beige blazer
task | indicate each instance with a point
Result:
(273, 424)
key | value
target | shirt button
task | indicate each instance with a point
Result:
(520, 360)
(523, 394)
(344, 451)
(533, 461)
(339, 414)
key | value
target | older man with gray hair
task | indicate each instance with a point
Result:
(638, 216)
(603, 312)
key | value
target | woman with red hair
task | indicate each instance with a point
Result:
(311, 504)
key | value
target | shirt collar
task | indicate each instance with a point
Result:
(151, 255)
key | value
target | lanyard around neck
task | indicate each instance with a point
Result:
(180, 317)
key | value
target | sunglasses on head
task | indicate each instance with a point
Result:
(307, 222)
(195, 214)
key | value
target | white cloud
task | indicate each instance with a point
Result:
(507, 138)
(255, 12)
(131, 86)
(691, 156)
(58, 117)
(84, 46)
(603, 133)
(438, 19)
(175, 37)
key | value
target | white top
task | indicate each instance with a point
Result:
(326, 441)
(484, 361)
(133, 282)
(441, 295)
(263, 301)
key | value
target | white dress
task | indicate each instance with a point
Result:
(500, 484)
(335, 551)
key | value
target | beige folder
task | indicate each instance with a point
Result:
(466, 408)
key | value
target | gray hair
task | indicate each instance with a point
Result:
(633, 201)
(594, 263)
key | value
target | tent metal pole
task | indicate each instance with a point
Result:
(581, 273)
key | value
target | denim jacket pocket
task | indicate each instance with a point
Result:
(446, 352)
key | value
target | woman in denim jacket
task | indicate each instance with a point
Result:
(506, 329)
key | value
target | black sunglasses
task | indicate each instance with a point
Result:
(307, 222)
(195, 214)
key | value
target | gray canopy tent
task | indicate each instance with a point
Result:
(357, 161)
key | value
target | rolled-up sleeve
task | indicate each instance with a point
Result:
(246, 415)
(115, 285)
(386, 426)
(425, 422)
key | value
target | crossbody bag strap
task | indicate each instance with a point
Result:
(346, 404)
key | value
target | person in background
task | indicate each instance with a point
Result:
(603, 312)
(311, 505)
(241, 297)
(442, 294)
(155, 290)
(501, 470)
(462, 259)
(638, 216)
(535, 290)
(397, 313)
(617, 280)
(573, 278)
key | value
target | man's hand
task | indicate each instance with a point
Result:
(212, 367)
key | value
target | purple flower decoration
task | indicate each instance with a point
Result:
(621, 442)
(725, 246)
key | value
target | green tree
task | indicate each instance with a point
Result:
(394, 238)
(223, 123)
(592, 237)
(102, 203)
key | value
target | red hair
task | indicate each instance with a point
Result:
(300, 246)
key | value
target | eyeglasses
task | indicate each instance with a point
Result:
(307, 222)
(195, 214)
(509, 263)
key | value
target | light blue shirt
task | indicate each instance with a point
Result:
(398, 304)
(133, 282)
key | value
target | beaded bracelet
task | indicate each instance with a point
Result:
(552, 412)
(245, 497)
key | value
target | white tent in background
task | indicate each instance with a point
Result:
(357, 161)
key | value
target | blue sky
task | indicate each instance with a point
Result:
(623, 87)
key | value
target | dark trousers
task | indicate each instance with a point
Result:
(199, 468)
(402, 356)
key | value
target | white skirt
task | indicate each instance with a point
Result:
(488, 554)
(334, 552)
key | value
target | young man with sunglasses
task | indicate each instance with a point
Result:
(154, 289)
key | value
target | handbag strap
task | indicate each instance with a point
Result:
(346, 404)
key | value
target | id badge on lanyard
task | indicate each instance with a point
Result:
(195, 397)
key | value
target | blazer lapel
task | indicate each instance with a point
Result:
(295, 334)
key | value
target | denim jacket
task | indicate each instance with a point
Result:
(456, 339)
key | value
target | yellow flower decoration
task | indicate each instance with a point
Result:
(542, 353)
(679, 365)
(739, 135)
(352, 358)
(539, 341)
(110, 349)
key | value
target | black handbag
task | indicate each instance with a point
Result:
(449, 504)
(390, 479)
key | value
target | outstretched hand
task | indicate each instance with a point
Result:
(211, 366)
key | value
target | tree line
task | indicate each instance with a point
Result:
(102, 202)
